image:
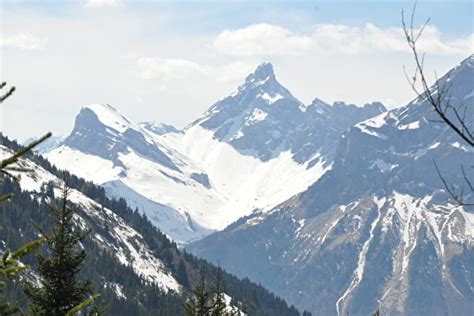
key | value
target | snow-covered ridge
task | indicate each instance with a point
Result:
(192, 182)
(124, 242)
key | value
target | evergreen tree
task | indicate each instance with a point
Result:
(61, 293)
(10, 264)
(199, 304)
(217, 290)
(209, 302)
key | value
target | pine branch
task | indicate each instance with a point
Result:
(14, 158)
(76, 309)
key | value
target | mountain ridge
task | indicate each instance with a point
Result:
(377, 231)
(191, 191)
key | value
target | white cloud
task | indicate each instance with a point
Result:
(167, 70)
(268, 40)
(262, 39)
(371, 38)
(102, 3)
(23, 41)
(100, 54)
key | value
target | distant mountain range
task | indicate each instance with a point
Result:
(337, 208)
(251, 150)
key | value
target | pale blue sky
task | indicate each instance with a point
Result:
(169, 61)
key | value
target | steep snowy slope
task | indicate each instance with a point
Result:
(119, 238)
(378, 229)
(183, 192)
(108, 149)
(135, 268)
(192, 182)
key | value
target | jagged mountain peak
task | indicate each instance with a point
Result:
(375, 105)
(263, 72)
(318, 102)
(260, 104)
(262, 84)
(101, 130)
(259, 90)
(263, 119)
(108, 116)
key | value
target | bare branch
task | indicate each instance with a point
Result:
(8, 93)
(438, 103)
(457, 197)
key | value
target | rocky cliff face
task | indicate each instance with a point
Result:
(378, 230)
(263, 119)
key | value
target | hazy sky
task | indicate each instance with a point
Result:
(168, 61)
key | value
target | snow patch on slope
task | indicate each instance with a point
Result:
(271, 99)
(90, 167)
(257, 115)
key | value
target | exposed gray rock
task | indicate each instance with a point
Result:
(202, 178)
(92, 136)
(375, 232)
(262, 119)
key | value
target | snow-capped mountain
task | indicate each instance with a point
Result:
(101, 131)
(378, 230)
(263, 119)
(135, 268)
(129, 161)
(252, 150)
